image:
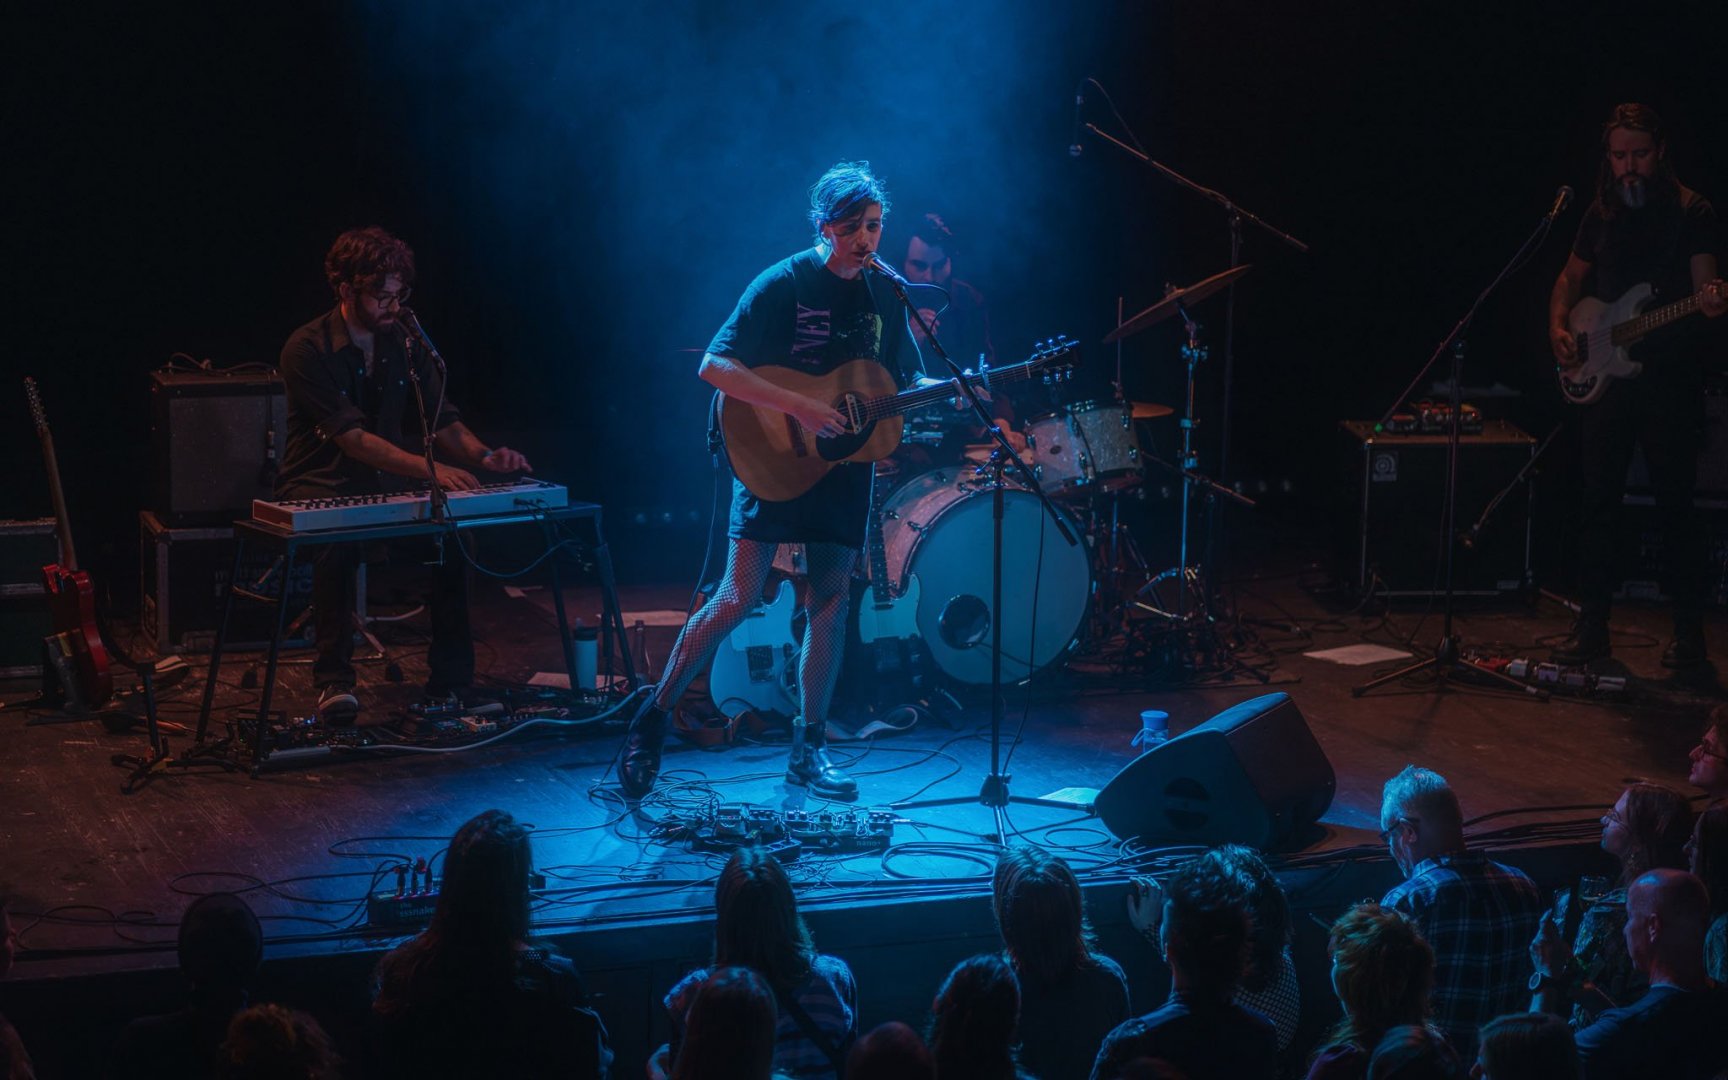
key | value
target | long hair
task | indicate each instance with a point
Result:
(844, 192)
(729, 1034)
(1710, 855)
(366, 257)
(1634, 117)
(1658, 822)
(756, 923)
(482, 915)
(974, 1020)
(1269, 912)
(1383, 971)
(1041, 916)
(1533, 1045)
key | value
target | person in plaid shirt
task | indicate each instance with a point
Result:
(1479, 915)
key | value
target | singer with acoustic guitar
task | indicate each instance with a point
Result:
(812, 330)
(1640, 378)
(354, 428)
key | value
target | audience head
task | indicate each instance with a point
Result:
(1707, 856)
(1420, 818)
(975, 1017)
(892, 1051)
(1667, 912)
(1648, 828)
(1414, 1052)
(484, 898)
(1268, 911)
(729, 1031)
(1205, 928)
(1526, 1046)
(756, 922)
(270, 1042)
(1041, 915)
(1382, 972)
(1710, 757)
(930, 251)
(221, 944)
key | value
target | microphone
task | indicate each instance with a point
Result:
(411, 326)
(1074, 146)
(1562, 199)
(875, 263)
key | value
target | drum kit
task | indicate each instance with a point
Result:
(1089, 456)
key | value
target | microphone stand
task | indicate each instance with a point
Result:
(994, 793)
(1235, 216)
(1447, 661)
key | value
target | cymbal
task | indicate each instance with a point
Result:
(1166, 307)
(1150, 410)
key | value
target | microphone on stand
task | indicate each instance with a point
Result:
(1074, 147)
(1562, 199)
(875, 263)
(411, 326)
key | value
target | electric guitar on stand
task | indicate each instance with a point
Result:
(756, 667)
(1603, 334)
(778, 460)
(76, 645)
(888, 624)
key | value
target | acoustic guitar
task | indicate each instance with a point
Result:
(777, 459)
(71, 595)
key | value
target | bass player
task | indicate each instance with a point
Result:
(1643, 226)
(812, 313)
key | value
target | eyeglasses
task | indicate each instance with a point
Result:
(1612, 817)
(1703, 750)
(395, 299)
(1386, 833)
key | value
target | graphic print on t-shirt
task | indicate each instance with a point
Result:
(817, 337)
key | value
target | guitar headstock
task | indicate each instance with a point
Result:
(37, 412)
(1052, 357)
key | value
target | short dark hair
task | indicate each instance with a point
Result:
(934, 231)
(220, 943)
(975, 1017)
(1207, 918)
(1041, 915)
(362, 257)
(1268, 910)
(273, 1042)
(1529, 1045)
(844, 192)
(730, 1028)
(756, 920)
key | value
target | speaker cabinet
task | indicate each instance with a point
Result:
(1398, 487)
(1252, 775)
(216, 441)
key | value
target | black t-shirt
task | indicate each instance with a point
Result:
(1654, 245)
(329, 392)
(1205, 1038)
(801, 315)
(1667, 1032)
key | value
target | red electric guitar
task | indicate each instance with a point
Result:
(71, 596)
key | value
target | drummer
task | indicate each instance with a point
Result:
(961, 320)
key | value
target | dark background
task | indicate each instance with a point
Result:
(589, 187)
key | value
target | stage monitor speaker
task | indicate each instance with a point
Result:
(216, 442)
(1252, 775)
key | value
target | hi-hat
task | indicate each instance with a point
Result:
(1166, 308)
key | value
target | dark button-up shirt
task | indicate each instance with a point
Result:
(330, 392)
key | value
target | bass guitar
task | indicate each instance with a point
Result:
(71, 595)
(777, 459)
(1603, 334)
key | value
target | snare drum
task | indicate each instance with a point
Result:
(1086, 446)
(936, 534)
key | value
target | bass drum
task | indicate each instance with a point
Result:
(936, 535)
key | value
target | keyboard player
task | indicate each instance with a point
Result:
(354, 428)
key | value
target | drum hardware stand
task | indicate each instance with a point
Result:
(1235, 216)
(994, 793)
(1447, 662)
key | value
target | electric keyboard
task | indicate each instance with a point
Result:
(356, 511)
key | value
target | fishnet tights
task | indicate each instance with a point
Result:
(740, 589)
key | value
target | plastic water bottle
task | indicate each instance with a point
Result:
(1154, 730)
(586, 640)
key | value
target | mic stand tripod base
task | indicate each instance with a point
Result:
(1446, 663)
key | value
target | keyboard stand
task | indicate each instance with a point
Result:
(254, 532)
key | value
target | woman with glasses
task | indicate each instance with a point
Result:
(1647, 829)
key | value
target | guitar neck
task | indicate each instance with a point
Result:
(62, 521)
(919, 397)
(1645, 322)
